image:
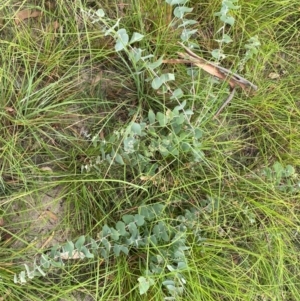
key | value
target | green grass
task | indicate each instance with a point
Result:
(61, 87)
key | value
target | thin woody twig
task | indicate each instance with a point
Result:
(218, 71)
(225, 103)
(233, 79)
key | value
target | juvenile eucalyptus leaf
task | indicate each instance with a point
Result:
(161, 118)
(54, 251)
(45, 261)
(218, 54)
(111, 29)
(108, 159)
(158, 209)
(188, 112)
(139, 219)
(128, 218)
(57, 264)
(115, 234)
(141, 242)
(178, 254)
(106, 244)
(174, 289)
(174, 151)
(156, 231)
(187, 33)
(151, 116)
(29, 273)
(120, 226)
(119, 159)
(129, 144)
(22, 277)
(100, 13)
(154, 267)
(155, 64)
(163, 150)
(180, 11)
(106, 231)
(187, 22)
(167, 77)
(144, 285)
(198, 133)
(178, 93)
(151, 211)
(122, 40)
(146, 57)
(180, 119)
(130, 241)
(225, 39)
(230, 4)
(170, 268)
(159, 81)
(42, 273)
(69, 247)
(94, 245)
(168, 282)
(156, 83)
(86, 252)
(164, 232)
(153, 239)
(227, 19)
(117, 249)
(185, 146)
(132, 228)
(104, 253)
(80, 242)
(136, 128)
(279, 171)
(181, 265)
(136, 54)
(181, 106)
(147, 212)
(125, 250)
(136, 37)
(176, 2)
(176, 127)
(289, 171)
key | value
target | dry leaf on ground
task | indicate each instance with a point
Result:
(53, 27)
(10, 109)
(234, 80)
(273, 75)
(48, 215)
(74, 255)
(25, 14)
(222, 73)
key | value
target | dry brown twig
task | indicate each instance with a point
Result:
(234, 80)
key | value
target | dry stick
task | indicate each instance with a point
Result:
(233, 79)
(222, 73)
(226, 102)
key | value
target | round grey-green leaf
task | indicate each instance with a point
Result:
(136, 128)
(139, 219)
(120, 226)
(151, 116)
(122, 40)
(136, 37)
(80, 242)
(156, 83)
